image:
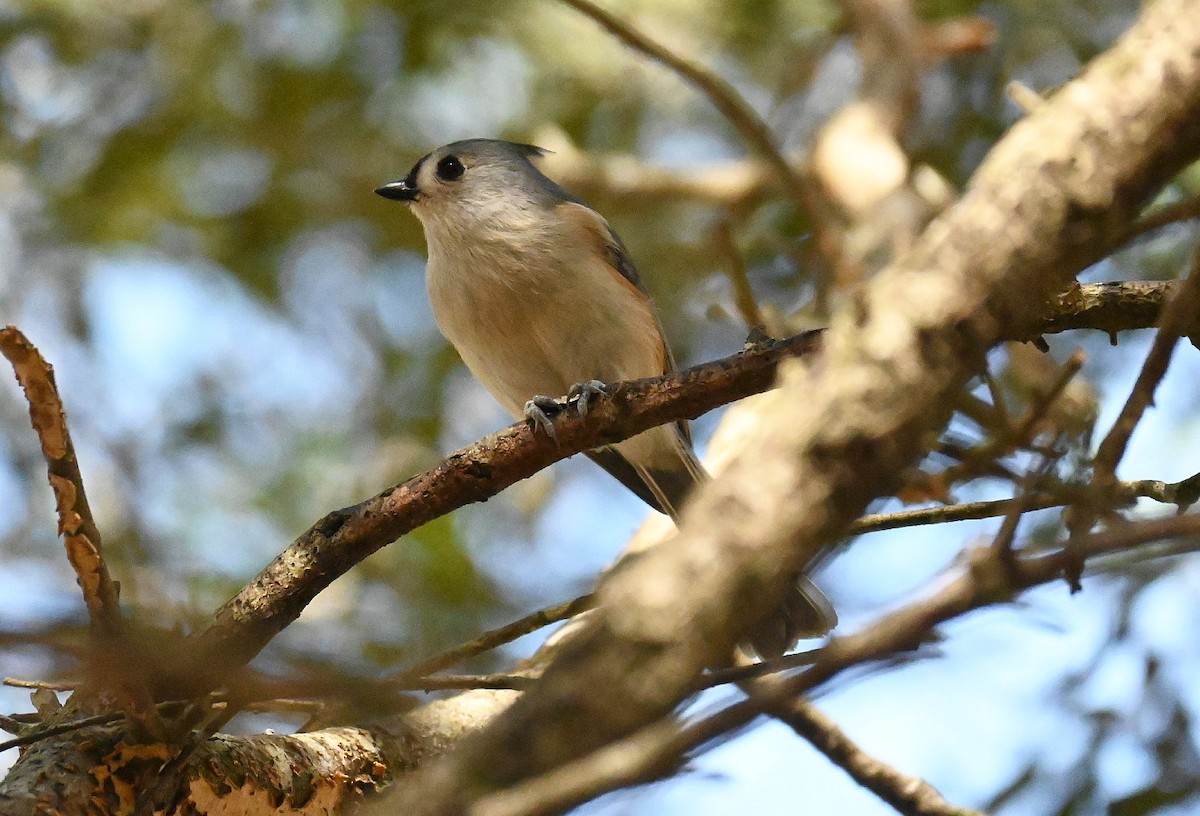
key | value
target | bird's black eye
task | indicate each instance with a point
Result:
(450, 168)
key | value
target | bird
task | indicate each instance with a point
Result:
(541, 299)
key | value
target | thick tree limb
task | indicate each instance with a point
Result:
(98, 770)
(1051, 191)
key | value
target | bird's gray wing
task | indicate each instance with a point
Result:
(618, 258)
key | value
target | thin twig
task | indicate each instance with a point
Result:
(720, 93)
(1186, 210)
(739, 280)
(969, 511)
(165, 707)
(16, 682)
(495, 638)
(63, 728)
(738, 112)
(1178, 315)
(444, 682)
(999, 408)
(752, 671)
(908, 795)
(1041, 404)
(888, 43)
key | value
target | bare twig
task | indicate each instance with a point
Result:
(444, 682)
(735, 270)
(1183, 494)
(998, 413)
(889, 44)
(496, 637)
(720, 93)
(34, 734)
(1178, 315)
(1040, 406)
(908, 795)
(1186, 210)
(969, 511)
(751, 671)
(738, 112)
(40, 734)
(16, 682)
(1110, 307)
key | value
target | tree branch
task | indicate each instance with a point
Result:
(337, 542)
(476, 473)
(646, 754)
(113, 655)
(1178, 316)
(75, 522)
(908, 795)
(1110, 307)
(807, 198)
(496, 637)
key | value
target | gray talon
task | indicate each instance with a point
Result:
(583, 393)
(539, 411)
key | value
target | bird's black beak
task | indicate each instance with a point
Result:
(403, 190)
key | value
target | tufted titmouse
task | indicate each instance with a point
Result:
(540, 298)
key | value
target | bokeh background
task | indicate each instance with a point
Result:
(240, 332)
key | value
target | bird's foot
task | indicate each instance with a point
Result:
(540, 412)
(583, 393)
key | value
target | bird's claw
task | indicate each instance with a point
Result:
(540, 411)
(583, 393)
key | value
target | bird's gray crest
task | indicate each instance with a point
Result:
(493, 148)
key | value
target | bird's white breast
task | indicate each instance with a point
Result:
(533, 309)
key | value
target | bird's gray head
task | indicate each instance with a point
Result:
(476, 181)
